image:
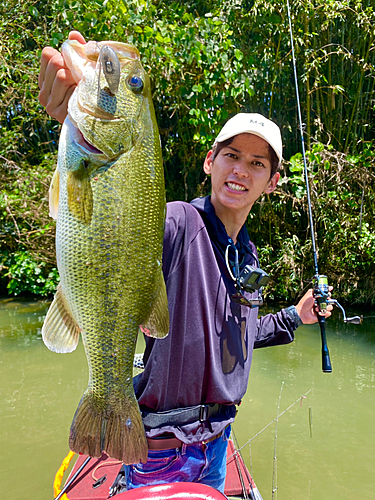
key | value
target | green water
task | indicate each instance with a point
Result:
(40, 390)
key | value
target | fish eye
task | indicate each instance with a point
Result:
(135, 84)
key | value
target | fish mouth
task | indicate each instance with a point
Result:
(81, 141)
(85, 144)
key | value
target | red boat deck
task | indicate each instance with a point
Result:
(98, 475)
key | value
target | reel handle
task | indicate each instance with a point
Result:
(356, 320)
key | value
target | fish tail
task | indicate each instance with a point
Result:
(117, 430)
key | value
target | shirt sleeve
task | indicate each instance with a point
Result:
(182, 224)
(174, 236)
(275, 329)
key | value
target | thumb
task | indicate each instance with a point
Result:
(76, 35)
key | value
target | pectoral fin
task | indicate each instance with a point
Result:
(157, 325)
(54, 194)
(60, 332)
(80, 199)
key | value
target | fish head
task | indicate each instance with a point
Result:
(111, 97)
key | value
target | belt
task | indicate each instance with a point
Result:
(181, 416)
(168, 443)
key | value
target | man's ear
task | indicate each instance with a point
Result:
(272, 183)
(208, 163)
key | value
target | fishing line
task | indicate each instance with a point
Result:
(272, 421)
(321, 288)
(240, 472)
(301, 128)
(274, 473)
(310, 420)
(243, 487)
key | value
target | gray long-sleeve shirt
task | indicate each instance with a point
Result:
(207, 354)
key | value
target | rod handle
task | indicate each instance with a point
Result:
(326, 361)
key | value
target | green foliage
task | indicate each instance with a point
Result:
(343, 203)
(209, 60)
(27, 254)
(27, 276)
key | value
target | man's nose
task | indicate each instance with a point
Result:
(240, 169)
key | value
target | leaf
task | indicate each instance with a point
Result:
(33, 11)
(274, 18)
(238, 54)
(148, 31)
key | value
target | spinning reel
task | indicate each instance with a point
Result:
(323, 299)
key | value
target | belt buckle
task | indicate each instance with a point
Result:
(203, 413)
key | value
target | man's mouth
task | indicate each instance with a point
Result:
(235, 187)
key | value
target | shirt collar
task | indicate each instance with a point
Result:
(218, 233)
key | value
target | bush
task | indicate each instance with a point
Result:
(27, 276)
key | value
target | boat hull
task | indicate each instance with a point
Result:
(98, 475)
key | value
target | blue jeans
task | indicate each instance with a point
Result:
(204, 463)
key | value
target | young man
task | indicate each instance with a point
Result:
(194, 378)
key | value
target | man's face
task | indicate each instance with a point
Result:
(240, 173)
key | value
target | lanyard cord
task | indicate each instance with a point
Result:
(236, 266)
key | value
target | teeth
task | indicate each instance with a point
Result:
(236, 187)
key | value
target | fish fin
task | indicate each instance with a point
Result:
(116, 429)
(53, 194)
(80, 199)
(157, 325)
(60, 332)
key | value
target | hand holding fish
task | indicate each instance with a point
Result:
(56, 82)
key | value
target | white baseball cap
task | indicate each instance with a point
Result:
(253, 123)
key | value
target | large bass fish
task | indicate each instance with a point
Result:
(108, 197)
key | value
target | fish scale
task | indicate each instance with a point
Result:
(110, 210)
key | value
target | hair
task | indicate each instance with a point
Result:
(275, 164)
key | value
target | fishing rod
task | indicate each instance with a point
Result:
(320, 282)
(71, 480)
